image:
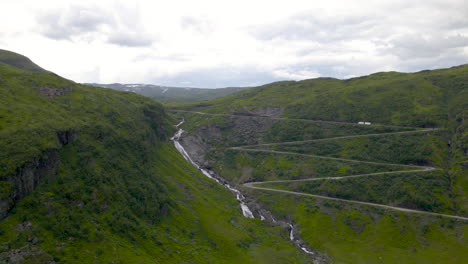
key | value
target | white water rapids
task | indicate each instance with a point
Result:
(245, 209)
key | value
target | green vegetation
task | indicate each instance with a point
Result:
(395, 148)
(92, 177)
(362, 234)
(421, 99)
(238, 130)
(102, 183)
(260, 135)
(18, 61)
(265, 166)
(197, 222)
(425, 191)
(372, 234)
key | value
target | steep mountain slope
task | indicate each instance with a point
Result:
(19, 61)
(166, 94)
(394, 190)
(425, 98)
(89, 175)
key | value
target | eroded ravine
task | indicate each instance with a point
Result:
(246, 211)
(241, 198)
(287, 224)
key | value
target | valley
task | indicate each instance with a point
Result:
(234, 132)
(276, 181)
(90, 175)
(282, 173)
(353, 193)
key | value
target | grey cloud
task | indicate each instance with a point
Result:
(419, 64)
(413, 37)
(417, 46)
(120, 27)
(130, 39)
(74, 21)
(313, 27)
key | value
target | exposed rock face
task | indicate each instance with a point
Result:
(196, 148)
(268, 111)
(28, 176)
(52, 92)
(243, 131)
(246, 130)
(6, 204)
(26, 254)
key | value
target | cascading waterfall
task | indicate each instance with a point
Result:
(245, 209)
(291, 232)
(240, 198)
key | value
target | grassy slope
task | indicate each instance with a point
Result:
(360, 234)
(350, 233)
(400, 149)
(122, 192)
(347, 233)
(202, 224)
(262, 166)
(416, 99)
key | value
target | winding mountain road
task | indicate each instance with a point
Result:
(287, 119)
(252, 185)
(256, 185)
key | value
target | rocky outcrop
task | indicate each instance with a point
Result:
(237, 130)
(53, 92)
(28, 176)
(26, 254)
(268, 111)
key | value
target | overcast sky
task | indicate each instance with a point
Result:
(219, 43)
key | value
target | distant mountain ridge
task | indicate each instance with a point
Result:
(422, 99)
(170, 94)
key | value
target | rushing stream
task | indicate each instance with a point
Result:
(245, 209)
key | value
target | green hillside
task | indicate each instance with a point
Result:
(88, 175)
(393, 191)
(425, 98)
(19, 61)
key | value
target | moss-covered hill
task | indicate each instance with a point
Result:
(425, 98)
(88, 175)
(303, 139)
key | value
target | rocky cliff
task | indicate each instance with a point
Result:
(30, 174)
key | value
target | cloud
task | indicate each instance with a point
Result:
(217, 44)
(296, 74)
(73, 22)
(199, 25)
(130, 39)
(313, 27)
(413, 46)
(120, 26)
